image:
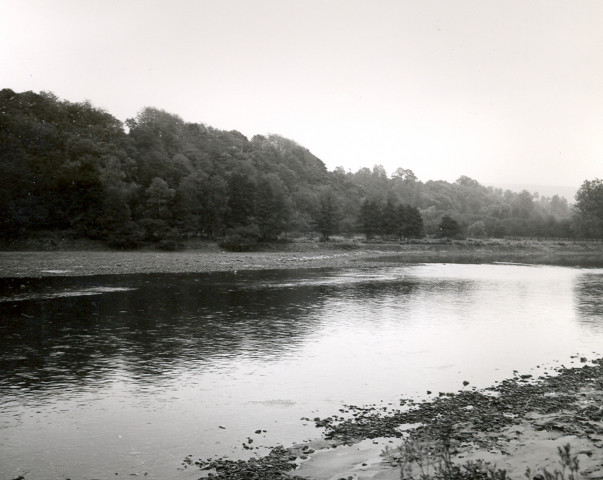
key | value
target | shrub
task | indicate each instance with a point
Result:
(170, 245)
(154, 229)
(449, 227)
(477, 230)
(127, 237)
(241, 239)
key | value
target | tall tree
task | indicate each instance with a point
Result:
(589, 209)
(159, 199)
(329, 214)
(273, 207)
(242, 191)
(389, 217)
(411, 222)
(370, 218)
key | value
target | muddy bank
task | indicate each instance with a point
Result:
(301, 255)
(518, 424)
(40, 264)
(521, 423)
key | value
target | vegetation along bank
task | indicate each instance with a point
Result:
(76, 170)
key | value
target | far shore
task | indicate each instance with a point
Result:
(82, 260)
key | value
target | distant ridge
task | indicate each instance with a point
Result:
(543, 190)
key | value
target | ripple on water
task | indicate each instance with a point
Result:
(64, 293)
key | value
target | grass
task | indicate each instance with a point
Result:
(432, 460)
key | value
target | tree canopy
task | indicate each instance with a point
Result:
(75, 168)
(589, 209)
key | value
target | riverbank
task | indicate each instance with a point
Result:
(545, 424)
(294, 255)
(519, 424)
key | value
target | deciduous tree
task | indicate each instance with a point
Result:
(589, 209)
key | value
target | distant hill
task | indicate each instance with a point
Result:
(543, 190)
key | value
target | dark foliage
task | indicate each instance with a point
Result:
(449, 227)
(589, 209)
(71, 166)
(241, 239)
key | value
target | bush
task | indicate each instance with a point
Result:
(477, 230)
(238, 243)
(128, 237)
(154, 229)
(170, 245)
(449, 227)
(241, 239)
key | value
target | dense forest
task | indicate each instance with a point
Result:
(75, 168)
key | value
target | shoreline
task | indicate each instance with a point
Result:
(295, 255)
(519, 424)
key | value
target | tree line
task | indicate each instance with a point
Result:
(75, 168)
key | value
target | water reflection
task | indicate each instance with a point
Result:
(588, 290)
(152, 328)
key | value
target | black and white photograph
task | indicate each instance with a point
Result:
(301, 239)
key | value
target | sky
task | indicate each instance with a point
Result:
(506, 92)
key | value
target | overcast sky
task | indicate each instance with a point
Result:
(507, 91)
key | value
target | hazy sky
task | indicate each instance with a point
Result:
(507, 91)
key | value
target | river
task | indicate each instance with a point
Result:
(110, 376)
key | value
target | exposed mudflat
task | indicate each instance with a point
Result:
(521, 423)
(19, 263)
(517, 424)
(39, 264)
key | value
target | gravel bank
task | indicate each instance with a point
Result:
(40, 264)
(517, 425)
(292, 256)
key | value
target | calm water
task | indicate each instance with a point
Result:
(130, 374)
